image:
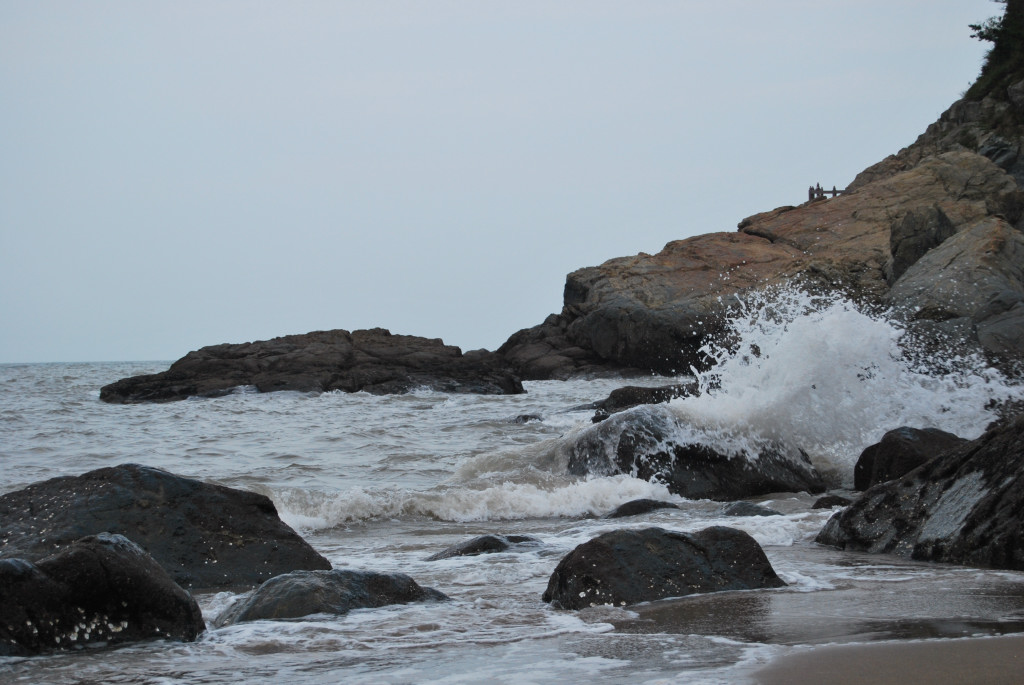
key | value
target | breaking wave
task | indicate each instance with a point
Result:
(820, 373)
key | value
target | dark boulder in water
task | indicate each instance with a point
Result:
(373, 361)
(630, 396)
(627, 567)
(748, 509)
(963, 507)
(637, 507)
(203, 535)
(652, 444)
(100, 589)
(484, 544)
(830, 501)
(899, 452)
(303, 593)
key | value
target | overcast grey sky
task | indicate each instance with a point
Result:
(178, 174)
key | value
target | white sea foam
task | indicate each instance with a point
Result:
(819, 373)
(312, 510)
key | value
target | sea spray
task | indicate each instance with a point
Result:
(820, 373)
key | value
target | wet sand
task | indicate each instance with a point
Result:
(982, 661)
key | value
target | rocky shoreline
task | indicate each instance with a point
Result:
(932, 235)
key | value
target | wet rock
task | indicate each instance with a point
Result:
(100, 589)
(373, 361)
(637, 507)
(203, 535)
(527, 418)
(303, 593)
(653, 444)
(831, 501)
(899, 452)
(966, 506)
(748, 509)
(484, 544)
(630, 396)
(627, 567)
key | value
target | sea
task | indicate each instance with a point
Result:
(380, 483)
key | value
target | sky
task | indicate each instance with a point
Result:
(187, 173)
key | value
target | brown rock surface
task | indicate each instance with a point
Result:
(654, 312)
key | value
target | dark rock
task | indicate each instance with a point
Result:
(918, 231)
(303, 593)
(966, 506)
(831, 501)
(627, 567)
(899, 452)
(748, 509)
(484, 544)
(373, 361)
(637, 507)
(631, 396)
(527, 418)
(652, 444)
(204, 536)
(100, 589)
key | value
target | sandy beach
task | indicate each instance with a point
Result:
(982, 661)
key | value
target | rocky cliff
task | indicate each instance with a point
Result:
(932, 232)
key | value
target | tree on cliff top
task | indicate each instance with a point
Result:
(1004, 64)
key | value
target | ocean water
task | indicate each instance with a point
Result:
(381, 483)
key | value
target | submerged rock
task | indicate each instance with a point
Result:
(303, 593)
(100, 589)
(627, 567)
(373, 361)
(484, 544)
(963, 507)
(203, 535)
(831, 501)
(651, 443)
(899, 452)
(748, 509)
(637, 507)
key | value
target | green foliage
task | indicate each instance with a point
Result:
(1004, 64)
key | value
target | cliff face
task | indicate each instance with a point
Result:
(933, 231)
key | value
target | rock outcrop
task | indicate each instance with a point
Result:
(652, 443)
(963, 507)
(337, 592)
(205, 536)
(899, 452)
(100, 589)
(373, 361)
(933, 232)
(627, 567)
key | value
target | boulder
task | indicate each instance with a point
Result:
(627, 567)
(899, 452)
(337, 592)
(100, 589)
(205, 536)
(652, 443)
(373, 361)
(966, 506)
(638, 506)
(630, 396)
(831, 501)
(484, 544)
(748, 509)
